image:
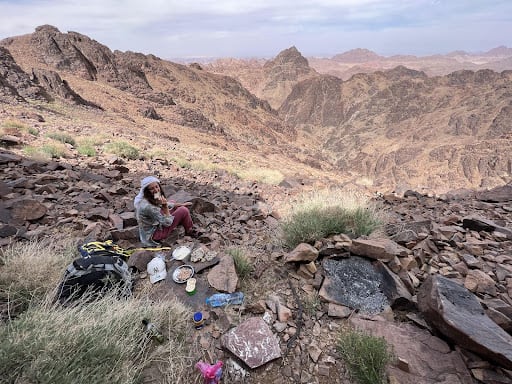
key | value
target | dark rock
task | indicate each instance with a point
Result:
(4, 189)
(458, 315)
(481, 224)
(429, 359)
(52, 82)
(396, 292)
(355, 283)
(7, 157)
(28, 210)
(497, 195)
(131, 233)
(7, 230)
(150, 113)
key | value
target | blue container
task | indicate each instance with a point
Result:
(198, 320)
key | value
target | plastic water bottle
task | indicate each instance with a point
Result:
(153, 331)
(221, 299)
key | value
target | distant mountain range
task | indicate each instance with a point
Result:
(432, 123)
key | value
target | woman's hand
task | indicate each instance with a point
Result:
(163, 201)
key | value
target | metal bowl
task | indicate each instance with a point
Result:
(183, 273)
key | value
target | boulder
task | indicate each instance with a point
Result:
(458, 315)
(379, 249)
(302, 253)
(223, 276)
(354, 283)
(420, 357)
(252, 342)
(28, 209)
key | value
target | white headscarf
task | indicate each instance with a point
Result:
(143, 184)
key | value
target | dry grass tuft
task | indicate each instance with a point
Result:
(322, 213)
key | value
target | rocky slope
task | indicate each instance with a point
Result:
(184, 95)
(399, 128)
(463, 237)
(403, 128)
(391, 130)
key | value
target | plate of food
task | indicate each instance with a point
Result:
(183, 273)
(181, 252)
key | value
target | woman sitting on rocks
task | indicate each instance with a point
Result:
(157, 217)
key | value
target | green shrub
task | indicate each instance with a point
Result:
(329, 212)
(182, 163)
(13, 127)
(312, 303)
(366, 356)
(243, 266)
(86, 150)
(123, 149)
(54, 151)
(46, 151)
(33, 131)
(62, 137)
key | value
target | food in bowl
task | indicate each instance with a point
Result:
(183, 273)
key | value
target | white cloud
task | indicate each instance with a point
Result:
(172, 28)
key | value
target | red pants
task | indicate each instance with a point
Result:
(181, 216)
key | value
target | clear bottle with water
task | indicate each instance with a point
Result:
(221, 299)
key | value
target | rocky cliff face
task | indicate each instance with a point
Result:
(399, 126)
(16, 85)
(282, 73)
(185, 95)
(395, 129)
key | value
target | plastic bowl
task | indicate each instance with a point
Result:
(181, 253)
(183, 273)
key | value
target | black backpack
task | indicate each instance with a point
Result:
(103, 248)
(95, 273)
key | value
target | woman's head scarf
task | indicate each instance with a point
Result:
(143, 185)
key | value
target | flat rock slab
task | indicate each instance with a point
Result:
(458, 315)
(28, 209)
(497, 195)
(223, 276)
(253, 342)
(428, 359)
(355, 283)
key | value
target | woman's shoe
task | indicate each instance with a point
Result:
(193, 233)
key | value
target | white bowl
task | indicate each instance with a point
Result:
(181, 253)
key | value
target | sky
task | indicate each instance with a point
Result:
(172, 29)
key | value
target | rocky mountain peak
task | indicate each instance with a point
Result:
(358, 55)
(500, 51)
(282, 73)
(47, 28)
(290, 56)
(401, 72)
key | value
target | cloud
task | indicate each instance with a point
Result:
(171, 28)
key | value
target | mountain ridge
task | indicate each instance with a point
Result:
(393, 129)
